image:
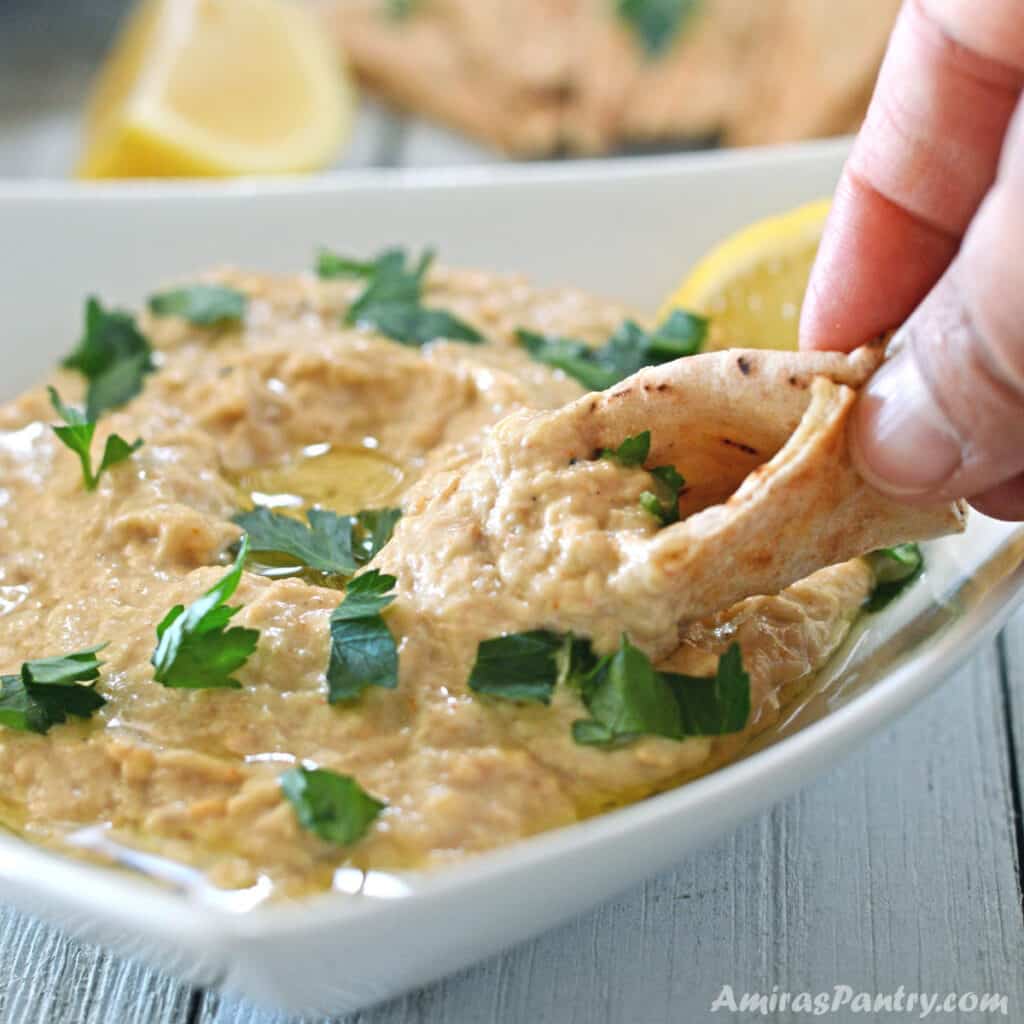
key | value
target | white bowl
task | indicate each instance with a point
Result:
(627, 229)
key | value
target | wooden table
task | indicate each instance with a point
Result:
(900, 867)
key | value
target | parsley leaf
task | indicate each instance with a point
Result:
(627, 698)
(363, 651)
(372, 530)
(334, 807)
(392, 302)
(656, 22)
(330, 264)
(115, 357)
(77, 434)
(716, 705)
(527, 666)
(194, 650)
(632, 452)
(664, 509)
(629, 349)
(50, 689)
(331, 543)
(399, 9)
(202, 304)
(895, 569)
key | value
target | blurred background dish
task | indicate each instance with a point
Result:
(538, 77)
(197, 87)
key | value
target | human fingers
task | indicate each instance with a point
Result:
(923, 161)
(944, 416)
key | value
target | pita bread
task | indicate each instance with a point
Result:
(537, 76)
(771, 496)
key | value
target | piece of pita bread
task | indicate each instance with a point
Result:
(772, 496)
(537, 76)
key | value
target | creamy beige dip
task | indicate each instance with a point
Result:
(292, 407)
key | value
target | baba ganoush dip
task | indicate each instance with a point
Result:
(463, 692)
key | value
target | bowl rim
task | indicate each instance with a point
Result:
(618, 170)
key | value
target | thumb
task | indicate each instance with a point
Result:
(944, 416)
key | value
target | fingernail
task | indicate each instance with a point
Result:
(902, 443)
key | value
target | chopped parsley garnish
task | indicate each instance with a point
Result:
(331, 543)
(626, 696)
(334, 807)
(113, 355)
(77, 434)
(50, 689)
(656, 22)
(894, 569)
(629, 349)
(399, 9)
(330, 264)
(363, 651)
(665, 505)
(203, 304)
(195, 650)
(715, 705)
(392, 301)
(526, 666)
(633, 452)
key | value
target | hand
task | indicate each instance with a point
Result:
(927, 231)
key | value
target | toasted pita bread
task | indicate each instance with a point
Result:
(536, 76)
(772, 496)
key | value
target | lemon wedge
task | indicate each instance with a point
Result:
(752, 284)
(215, 88)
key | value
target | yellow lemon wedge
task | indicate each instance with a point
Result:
(216, 88)
(751, 285)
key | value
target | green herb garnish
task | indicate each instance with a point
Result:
(334, 807)
(392, 302)
(400, 9)
(330, 265)
(894, 570)
(656, 22)
(201, 304)
(632, 452)
(113, 355)
(626, 696)
(50, 689)
(77, 434)
(195, 650)
(363, 651)
(527, 666)
(331, 543)
(629, 349)
(664, 507)
(716, 705)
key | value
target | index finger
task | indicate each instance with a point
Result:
(925, 158)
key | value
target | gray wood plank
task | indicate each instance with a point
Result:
(47, 978)
(1011, 649)
(896, 869)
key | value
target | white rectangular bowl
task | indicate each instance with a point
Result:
(627, 229)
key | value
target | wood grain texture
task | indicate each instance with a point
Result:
(46, 978)
(1011, 654)
(897, 868)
